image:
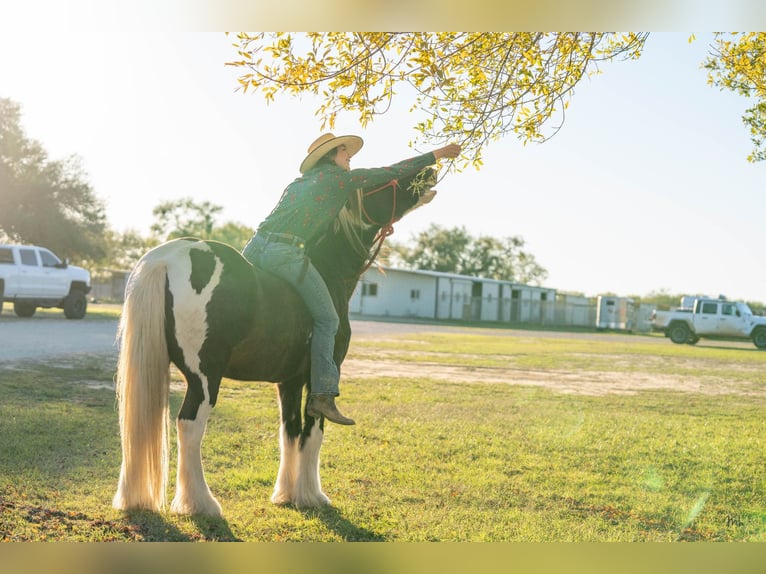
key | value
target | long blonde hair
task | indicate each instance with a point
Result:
(352, 224)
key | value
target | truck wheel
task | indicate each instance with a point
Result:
(75, 305)
(24, 309)
(679, 333)
(759, 338)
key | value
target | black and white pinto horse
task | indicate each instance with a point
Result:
(203, 307)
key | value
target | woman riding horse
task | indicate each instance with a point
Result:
(306, 209)
(202, 307)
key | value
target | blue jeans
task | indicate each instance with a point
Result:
(290, 263)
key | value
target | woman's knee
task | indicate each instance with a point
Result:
(328, 321)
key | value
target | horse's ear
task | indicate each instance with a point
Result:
(425, 197)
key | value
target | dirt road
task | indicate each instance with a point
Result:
(44, 337)
(55, 339)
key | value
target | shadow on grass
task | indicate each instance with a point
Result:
(154, 527)
(214, 529)
(21, 520)
(334, 520)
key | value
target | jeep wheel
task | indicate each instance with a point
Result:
(759, 338)
(75, 305)
(24, 309)
(679, 333)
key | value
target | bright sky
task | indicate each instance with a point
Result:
(646, 187)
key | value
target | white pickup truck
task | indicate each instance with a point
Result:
(711, 318)
(32, 277)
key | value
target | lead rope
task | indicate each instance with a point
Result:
(380, 238)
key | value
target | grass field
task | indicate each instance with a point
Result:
(467, 457)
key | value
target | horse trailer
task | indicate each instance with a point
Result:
(614, 313)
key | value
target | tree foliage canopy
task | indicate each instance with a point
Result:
(456, 251)
(45, 202)
(184, 218)
(738, 63)
(188, 218)
(472, 87)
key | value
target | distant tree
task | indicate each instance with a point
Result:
(738, 63)
(456, 251)
(435, 249)
(184, 218)
(125, 249)
(661, 298)
(45, 202)
(757, 307)
(234, 234)
(122, 252)
(503, 258)
(189, 218)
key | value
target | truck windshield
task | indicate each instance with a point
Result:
(49, 259)
(744, 309)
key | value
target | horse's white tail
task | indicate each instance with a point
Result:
(142, 385)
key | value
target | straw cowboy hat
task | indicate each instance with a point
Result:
(327, 142)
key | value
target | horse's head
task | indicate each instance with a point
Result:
(366, 220)
(369, 217)
(386, 205)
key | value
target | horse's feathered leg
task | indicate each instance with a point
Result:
(193, 495)
(289, 436)
(308, 487)
(298, 477)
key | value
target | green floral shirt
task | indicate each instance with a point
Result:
(311, 202)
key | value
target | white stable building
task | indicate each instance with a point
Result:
(390, 292)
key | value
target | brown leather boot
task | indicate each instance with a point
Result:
(324, 405)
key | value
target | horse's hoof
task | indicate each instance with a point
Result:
(208, 507)
(281, 499)
(317, 501)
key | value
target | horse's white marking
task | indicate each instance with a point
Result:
(189, 310)
(298, 478)
(193, 495)
(288, 468)
(308, 487)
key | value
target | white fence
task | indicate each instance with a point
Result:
(559, 313)
(109, 286)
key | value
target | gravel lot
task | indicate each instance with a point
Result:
(45, 337)
(49, 335)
